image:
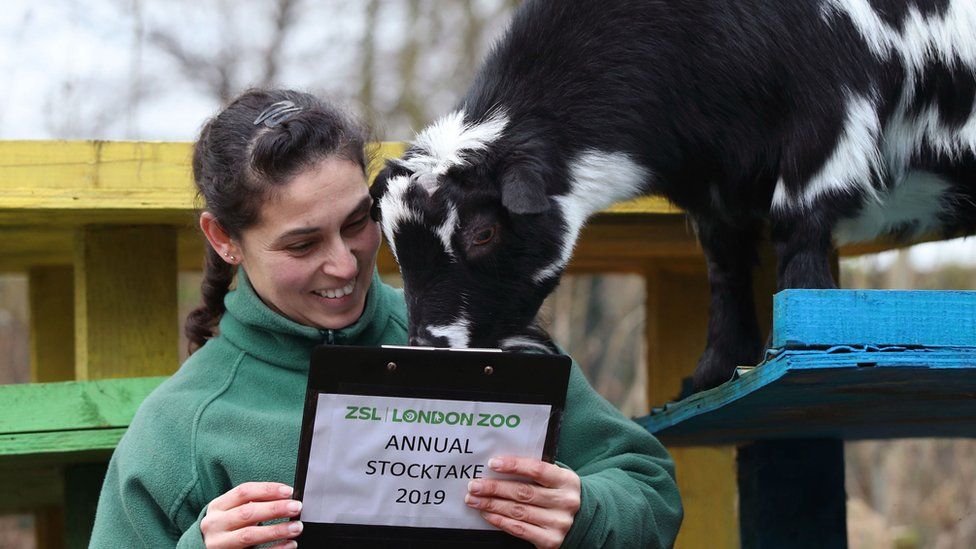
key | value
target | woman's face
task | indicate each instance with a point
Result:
(311, 254)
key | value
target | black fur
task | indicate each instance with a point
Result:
(721, 101)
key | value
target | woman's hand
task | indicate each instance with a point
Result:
(232, 518)
(540, 512)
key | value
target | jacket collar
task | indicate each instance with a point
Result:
(253, 327)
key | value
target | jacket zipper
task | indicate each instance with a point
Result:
(328, 336)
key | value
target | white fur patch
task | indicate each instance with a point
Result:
(949, 38)
(918, 199)
(395, 209)
(458, 334)
(446, 230)
(597, 179)
(445, 143)
(852, 165)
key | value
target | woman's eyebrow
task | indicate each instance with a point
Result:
(296, 232)
(362, 207)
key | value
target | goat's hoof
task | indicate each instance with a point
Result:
(714, 368)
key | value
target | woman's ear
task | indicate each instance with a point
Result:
(219, 240)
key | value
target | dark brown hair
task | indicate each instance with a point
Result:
(238, 164)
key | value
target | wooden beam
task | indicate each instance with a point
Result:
(125, 302)
(73, 405)
(677, 316)
(71, 183)
(52, 328)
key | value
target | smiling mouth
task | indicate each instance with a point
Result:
(337, 292)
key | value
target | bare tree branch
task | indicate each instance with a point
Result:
(367, 67)
(283, 20)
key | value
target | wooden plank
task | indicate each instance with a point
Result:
(792, 494)
(125, 302)
(847, 394)
(677, 305)
(814, 318)
(44, 407)
(22, 248)
(80, 182)
(61, 446)
(52, 328)
(81, 175)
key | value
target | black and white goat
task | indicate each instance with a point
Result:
(830, 120)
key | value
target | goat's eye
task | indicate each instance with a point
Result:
(484, 236)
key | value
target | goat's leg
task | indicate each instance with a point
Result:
(803, 248)
(733, 331)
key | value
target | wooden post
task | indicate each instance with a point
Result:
(83, 483)
(52, 358)
(792, 494)
(677, 319)
(125, 326)
(52, 323)
(677, 316)
(125, 302)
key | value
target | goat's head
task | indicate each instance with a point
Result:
(479, 239)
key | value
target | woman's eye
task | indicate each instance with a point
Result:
(484, 236)
(300, 247)
(358, 224)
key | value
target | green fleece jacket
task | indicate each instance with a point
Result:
(233, 411)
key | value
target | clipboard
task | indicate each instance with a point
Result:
(444, 378)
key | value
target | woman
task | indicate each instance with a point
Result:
(209, 458)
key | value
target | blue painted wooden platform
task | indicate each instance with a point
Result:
(828, 380)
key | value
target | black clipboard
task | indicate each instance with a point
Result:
(470, 375)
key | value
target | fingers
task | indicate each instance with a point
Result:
(546, 474)
(532, 514)
(250, 491)
(541, 511)
(233, 518)
(250, 514)
(254, 535)
(523, 492)
(540, 537)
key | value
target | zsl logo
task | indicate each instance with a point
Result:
(362, 412)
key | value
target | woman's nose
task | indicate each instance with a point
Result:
(341, 262)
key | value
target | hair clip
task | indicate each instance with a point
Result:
(277, 113)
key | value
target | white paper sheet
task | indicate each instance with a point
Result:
(407, 461)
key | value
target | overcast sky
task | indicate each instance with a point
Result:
(65, 63)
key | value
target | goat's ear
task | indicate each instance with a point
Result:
(377, 190)
(524, 190)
